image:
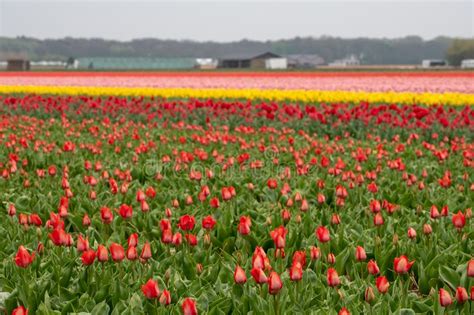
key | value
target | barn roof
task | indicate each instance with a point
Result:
(251, 55)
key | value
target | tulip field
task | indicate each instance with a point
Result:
(237, 193)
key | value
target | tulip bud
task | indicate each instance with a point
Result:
(199, 269)
(411, 233)
(298, 218)
(382, 284)
(207, 239)
(344, 311)
(239, 275)
(165, 298)
(369, 295)
(427, 230)
(333, 278)
(360, 254)
(395, 239)
(372, 267)
(274, 283)
(461, 295)
(444, 298)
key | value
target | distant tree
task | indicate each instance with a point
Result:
(459, 50)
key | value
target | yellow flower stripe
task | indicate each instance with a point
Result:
(307, 96)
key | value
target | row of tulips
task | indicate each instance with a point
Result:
(440, 82)
(278, 95)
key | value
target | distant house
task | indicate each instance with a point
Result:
(247, 60)
(304, 61)
(431, 63)
(206, 63)
(350, 61)
(18, 65)
(467, 63)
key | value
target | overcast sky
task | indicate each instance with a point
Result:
(228, 20)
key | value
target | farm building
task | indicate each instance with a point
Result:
(304, 61)
(206, 63)
(467, 63)
(18, 65)
(248, 60)
(430, 63)
(131, 63)
(350, 61)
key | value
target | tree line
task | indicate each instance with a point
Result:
(406, 50)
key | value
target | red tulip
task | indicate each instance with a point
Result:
(459, 220)
(150, 192)
(102, 253)
(360, 254)
(244, 225)
(331, 258)
(401, 265)
(427, 230)
(88, 257)
(132, 253)
(470, 268)
(133, 240)
(226, 194)
(333, 277)
(299, 257)
(274, 283)
(106, 215)
(177, 239)
(296, 272)
(140, 196)
(58, 237)
(167, 236)
(411, 233)
(239, 275)
(150, 289)
(375, 206)
(11, 210)
(378, 219)
(323, 234)
(341, 192)
(461, 295)
(20, 310)
(34, 219)
(382, 284)
(372, 267)
(189, 307)
(165, 298)
(191, 239)
(208, 222)
(82, 244)
(315, 253)
(344, 311)
(126, 211)
(214, 203)
(444, 298)
(86, 221)
(186, 222)
(23, 219)
(272, 183)
(117, 252)
(434, 212)
(23, 258)
(279, 236)
(258, 275)
(146, 252)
